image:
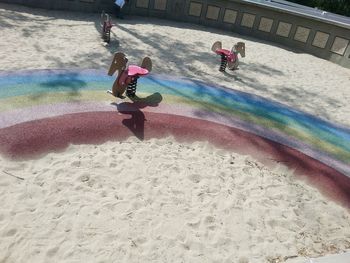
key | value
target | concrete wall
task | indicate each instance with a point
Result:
(322, 38)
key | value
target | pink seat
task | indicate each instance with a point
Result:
(136, 70)
(231, 57)
(223, 51)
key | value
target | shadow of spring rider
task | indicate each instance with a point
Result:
(127, 75)
(229, 57)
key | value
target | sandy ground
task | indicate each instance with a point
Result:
(178, 202)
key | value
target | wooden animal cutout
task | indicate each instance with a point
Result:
(229, 58)
(238, 48)
(216, 46)
(127, 75)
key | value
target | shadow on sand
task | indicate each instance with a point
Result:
(136, 123)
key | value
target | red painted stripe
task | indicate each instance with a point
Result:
(32, 139)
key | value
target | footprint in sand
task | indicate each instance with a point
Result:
(76, 164)
(11, 232)
(209, 220)
(243, 260)
(195, 178)
(84, 178)
(52, 251)
(195, 224)
(59, 172)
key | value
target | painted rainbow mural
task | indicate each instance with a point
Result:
(46, 110)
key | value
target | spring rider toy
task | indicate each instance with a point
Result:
(127, 75)
(106, 25)
(229, 58)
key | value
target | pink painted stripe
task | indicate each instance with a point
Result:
(30, 139)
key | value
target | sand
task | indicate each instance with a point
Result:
(160, 200)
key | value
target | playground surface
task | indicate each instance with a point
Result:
(246, 166)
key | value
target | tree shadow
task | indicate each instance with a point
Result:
(232, 74)
(68, 82)
(263, 69)
(136, 124)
